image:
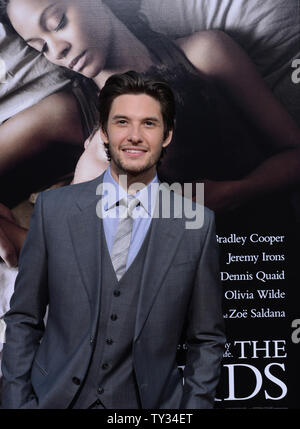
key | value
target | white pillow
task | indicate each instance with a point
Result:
(268, 29)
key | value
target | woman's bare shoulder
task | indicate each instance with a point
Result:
(203, 37)
(208, 50)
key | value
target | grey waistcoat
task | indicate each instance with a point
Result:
(110, 381)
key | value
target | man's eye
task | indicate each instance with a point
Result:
(149, 123)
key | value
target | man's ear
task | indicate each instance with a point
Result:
(103, 135)
(168, 139)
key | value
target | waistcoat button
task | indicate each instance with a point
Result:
(117, 292)
(76, 380)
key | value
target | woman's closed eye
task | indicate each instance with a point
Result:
(56, 21)
(62, 23)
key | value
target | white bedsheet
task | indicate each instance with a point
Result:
(26, 77)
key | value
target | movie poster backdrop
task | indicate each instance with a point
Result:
(258, 237)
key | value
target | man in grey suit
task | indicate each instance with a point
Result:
(123, 283)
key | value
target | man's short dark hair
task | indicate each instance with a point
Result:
(132, 82)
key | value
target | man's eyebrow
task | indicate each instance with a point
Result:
(119, 117)
(148, 118)
(43, 19)
(151, 118)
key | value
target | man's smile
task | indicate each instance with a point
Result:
(134, 152)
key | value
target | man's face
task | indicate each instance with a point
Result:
(135, 133)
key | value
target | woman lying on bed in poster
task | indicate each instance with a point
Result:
(231, 132)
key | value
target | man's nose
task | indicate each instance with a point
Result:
(135, 134)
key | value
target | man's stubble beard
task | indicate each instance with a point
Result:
(123, 169)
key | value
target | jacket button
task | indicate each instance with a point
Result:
(117, 292)
(109, 341)
(76, 381)
(105, 366)
(113, 317)
(100, 390)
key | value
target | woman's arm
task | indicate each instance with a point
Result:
(92, 162)
(12, 237)
(54, 119)
(218, 56)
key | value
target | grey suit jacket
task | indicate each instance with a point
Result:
(60, 265)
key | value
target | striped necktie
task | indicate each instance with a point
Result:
(122, 239)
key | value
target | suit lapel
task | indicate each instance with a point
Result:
(164, 239)
(85, 231)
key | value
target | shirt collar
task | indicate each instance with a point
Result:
(146, 196)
